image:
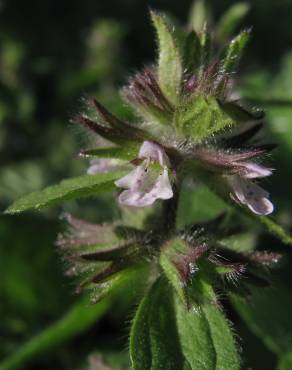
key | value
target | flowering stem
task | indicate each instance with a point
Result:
(169, 211)
(271, 226)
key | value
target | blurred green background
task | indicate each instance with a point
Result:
(53, 53)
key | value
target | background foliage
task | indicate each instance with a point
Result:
(52, 54)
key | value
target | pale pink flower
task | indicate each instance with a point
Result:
(247, 193)
(149, 181)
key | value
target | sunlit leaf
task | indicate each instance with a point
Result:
(78, 187)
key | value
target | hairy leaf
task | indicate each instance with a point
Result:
(78, 187)
(223, 339)
(170, 263)
(201, 116)
(192, 52)
(131, 279)
(206, 339)
(195, 338)
(153, 341)
(234, 51)
(169, 61)
(166, 335)
(205, 41)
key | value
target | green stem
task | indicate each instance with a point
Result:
(76, 321)
(271, 226)
(169, 211)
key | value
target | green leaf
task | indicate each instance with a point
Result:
(230, 20)
(206, 339)
(128, 277)
(169, 62)
(192, 52)
(234, 51)
(168, 259)
(268, 315)
(205, 40)
(153, 340)
(125, 152)
(195, 338)
(201, 116)
(77, 187)
(223, 339)
(166, 335)
(79, 318)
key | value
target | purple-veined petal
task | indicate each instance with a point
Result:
(133, 179)
(153, 151)
(163, 187)
(262, 206)
(253, 196)
(141, 197)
